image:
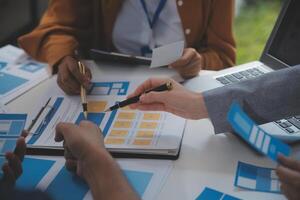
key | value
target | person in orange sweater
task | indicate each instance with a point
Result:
(132, 27)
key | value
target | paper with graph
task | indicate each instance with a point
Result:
(124, 130)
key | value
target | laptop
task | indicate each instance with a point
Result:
(282, 50)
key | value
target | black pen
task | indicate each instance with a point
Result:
(135, 99)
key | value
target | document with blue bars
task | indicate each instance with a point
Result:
(263, 142)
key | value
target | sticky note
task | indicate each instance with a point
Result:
(211, 194)
(263, 142)
(167, 54)
(256, 178)
(151, 116)
(122, 124)
(142, 142)
(126, 115)
(149, 125)
(110, 140)
(96, 106)
(145, 134)
(118, 133)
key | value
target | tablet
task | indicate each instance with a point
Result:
(99, 55)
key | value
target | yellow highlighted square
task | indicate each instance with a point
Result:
(151, 116)
(114, 141)
(145, 134)
(122, 124)
(120, 133)
(149, 125)
(126, 108)
(142, 142)
(96, 106)
(126, 115)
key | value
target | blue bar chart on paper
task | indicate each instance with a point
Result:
(256, 178)
(256, 137)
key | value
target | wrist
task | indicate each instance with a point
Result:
(57, 63)
(95, 161)
(199, 110)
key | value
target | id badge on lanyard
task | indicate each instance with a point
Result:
(146, 49)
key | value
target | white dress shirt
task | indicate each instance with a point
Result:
(132, 31)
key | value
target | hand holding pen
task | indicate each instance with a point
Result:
(179, 100)
(83, 91)
(134, 99)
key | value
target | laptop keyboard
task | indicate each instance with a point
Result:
(240, 76)
(291, 125)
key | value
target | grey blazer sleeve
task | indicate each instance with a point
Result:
(270, 97)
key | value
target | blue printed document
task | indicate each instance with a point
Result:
(124, 130)
(11, 127)
(18, 73)
(256, 178)
(255, 136)
(212, 194)
(147, 177)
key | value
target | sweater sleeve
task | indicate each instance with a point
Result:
(220, 51)
(62, 26)
(267, 98)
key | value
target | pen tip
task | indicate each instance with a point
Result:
(85, 115)
(107, 110)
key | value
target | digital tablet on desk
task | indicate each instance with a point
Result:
(119, 57)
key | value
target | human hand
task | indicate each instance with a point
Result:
(190, 63)
(178, 101)
(288, 173)
(69, 77)
(12, 169)
(81, 144)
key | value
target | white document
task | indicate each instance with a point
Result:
(15, 79)
(125, 130)
(167, 54)
(3, 109)
(13, 55)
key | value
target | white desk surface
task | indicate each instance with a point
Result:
(206, 159)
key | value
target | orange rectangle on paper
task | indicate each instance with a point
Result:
(120, 133)
(126, 115)
(149, 125)
(122, 124)
(142, 142)
(96, 106)
(145, 134)
(151, 116)
(114, 140)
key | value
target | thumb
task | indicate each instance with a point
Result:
(154, 97)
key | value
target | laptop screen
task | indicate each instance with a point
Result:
(285, 45)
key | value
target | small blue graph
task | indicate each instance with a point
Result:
(109, 88)
(32, 67)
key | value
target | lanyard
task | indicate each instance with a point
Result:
(159, 8)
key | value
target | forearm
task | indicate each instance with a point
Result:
(267, 98)
(106, 180)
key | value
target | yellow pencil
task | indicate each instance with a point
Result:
(83, 91)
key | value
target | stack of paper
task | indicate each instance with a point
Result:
(125, 131)
(18, 73)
